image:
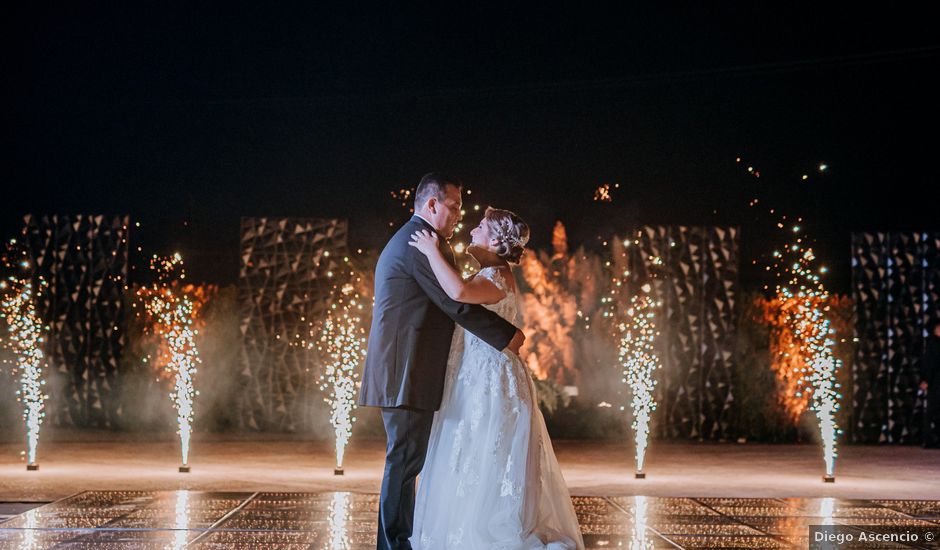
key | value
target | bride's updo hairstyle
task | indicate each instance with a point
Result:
(511, 232)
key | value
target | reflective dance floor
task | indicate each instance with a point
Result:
(195, 519)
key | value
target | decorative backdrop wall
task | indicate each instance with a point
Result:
(896, 288)
(84, 259)
(284, 282)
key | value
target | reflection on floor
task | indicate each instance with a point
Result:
(190, 519)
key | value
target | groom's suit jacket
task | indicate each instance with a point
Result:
(412, 326)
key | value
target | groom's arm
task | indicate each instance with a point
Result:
(486, 325)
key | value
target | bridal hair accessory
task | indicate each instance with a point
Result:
(507, 231)
(510, 231)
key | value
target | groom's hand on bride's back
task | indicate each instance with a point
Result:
(516, 343)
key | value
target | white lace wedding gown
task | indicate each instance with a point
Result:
(491, 480)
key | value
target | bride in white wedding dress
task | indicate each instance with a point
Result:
(490, 479)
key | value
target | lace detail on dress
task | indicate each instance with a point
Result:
(508, 488)
(507, 308)
(455, 450)
(495, 275)
(489, 452)
(455, 539)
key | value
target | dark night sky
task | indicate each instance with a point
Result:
(202, 115)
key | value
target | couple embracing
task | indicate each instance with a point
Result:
(459, 406)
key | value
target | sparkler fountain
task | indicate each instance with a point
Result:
(171, 312)
(634, 323)
(638, 358)
(803, 338)
(25, 334)
(342, 347)
(340, 340)
(804, 341)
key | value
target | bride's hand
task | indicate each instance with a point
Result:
(425, 241)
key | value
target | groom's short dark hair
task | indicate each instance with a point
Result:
(434, 184)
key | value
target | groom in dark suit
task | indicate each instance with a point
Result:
(412, 326)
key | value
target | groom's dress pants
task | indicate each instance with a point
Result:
(408, 431)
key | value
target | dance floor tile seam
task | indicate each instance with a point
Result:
(190, 519)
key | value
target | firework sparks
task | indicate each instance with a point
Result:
(341, 343)
(803, 339)
(804, 302)
(172, 313)
(638, 358)
(751, 170)
(602, 193)
(26, 338)
(633, 320)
